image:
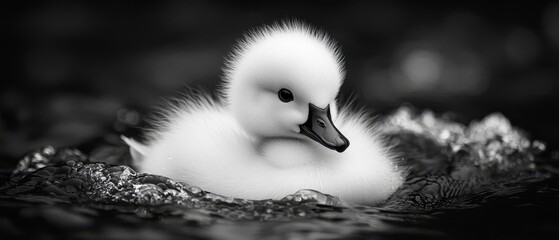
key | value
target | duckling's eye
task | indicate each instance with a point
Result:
(285, 95)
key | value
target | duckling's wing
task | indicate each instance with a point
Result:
(137, 150)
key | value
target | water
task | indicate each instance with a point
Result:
(484, 180)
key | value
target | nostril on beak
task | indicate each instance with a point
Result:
(321, 123)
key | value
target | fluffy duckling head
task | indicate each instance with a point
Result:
(282, 81)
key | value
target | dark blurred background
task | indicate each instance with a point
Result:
(80, 73)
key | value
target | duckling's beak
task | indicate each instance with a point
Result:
(319, 127)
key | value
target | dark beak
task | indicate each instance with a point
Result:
(319, 127)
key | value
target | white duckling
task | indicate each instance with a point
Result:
(274, 128)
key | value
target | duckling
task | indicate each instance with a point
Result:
(274, 127)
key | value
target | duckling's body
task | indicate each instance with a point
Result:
(247, 143)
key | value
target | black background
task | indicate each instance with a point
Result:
(73, 67)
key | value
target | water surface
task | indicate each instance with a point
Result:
(484, 180)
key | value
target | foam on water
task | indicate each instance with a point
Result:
(450, 166)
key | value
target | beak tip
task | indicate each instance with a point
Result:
(342, 147)
(341, 144)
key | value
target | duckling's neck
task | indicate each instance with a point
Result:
(288, 152)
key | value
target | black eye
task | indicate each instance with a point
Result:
(285, 95)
